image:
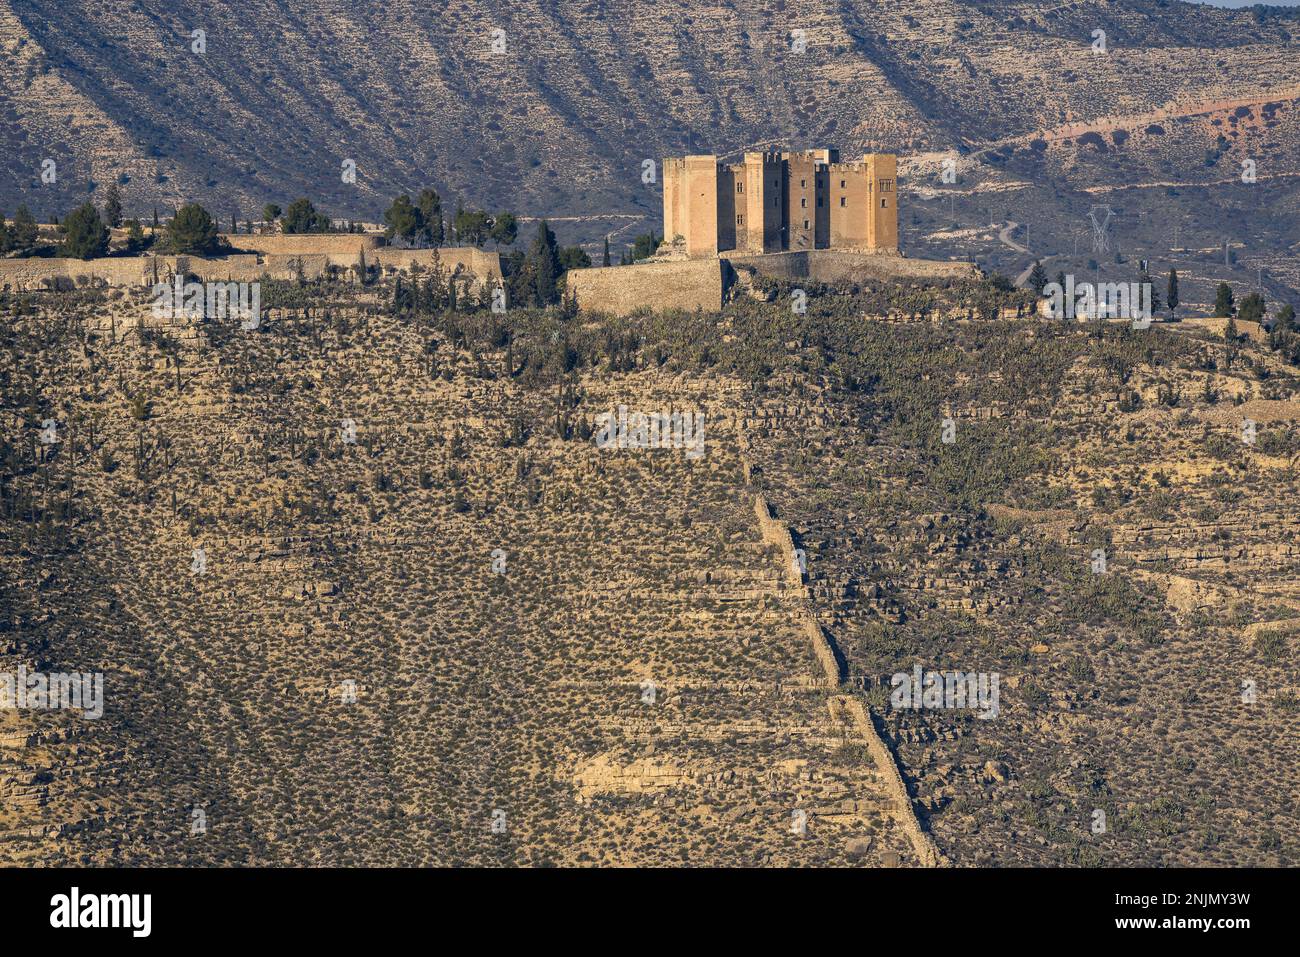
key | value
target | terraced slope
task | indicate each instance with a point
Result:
(473, 636)
(342, 677)
(1157, 687)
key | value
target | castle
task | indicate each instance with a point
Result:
(780, 202)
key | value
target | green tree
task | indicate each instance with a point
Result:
(605, 259)
(1285, 319)
(192, 230)
(1145, 279)
(134, 236)
(113, 207)
(1253, 308)
(4, 235)
(1223, 301)
(84, 234)
(302, 217)
(505, 229)
(402, 218)
(1038, 278)
(644, 246)
(1171, 292)
(429, 205)
(23, 232)
(270, 213)
(472, 226)
(573, 257)
(544, 262)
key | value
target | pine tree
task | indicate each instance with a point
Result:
(85, 233)
(1171, 292)
(605, 259)
(505, 229)
(134, 236)
(402, 218)
(22, 232)
(113, 207)
(429, 210)
(1285, 318)
(1145, 279)
(1038, 278)
(1253, 308)
(544, 257)
(1223, 301)
(192, 230)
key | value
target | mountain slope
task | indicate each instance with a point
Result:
(560, 122)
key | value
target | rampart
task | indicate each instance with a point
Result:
(36, 273)
(620, 290)
(464, 259)
(829, 265)
(26, 275)
(343, 247)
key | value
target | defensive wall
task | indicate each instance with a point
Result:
(306, 257)
(620, 290)
(692, 284)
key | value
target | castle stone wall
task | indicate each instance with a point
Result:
(343, 245)
(466, 259)
(831, 265)
(28, 275)
(620, 290)
(37, 273)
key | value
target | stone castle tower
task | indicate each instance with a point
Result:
(781, 202)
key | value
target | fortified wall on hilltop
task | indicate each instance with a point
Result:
(781, 202)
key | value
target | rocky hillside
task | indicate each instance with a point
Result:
(365, 589)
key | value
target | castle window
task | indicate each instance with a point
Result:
(740, 220)
(740, 187)
(842, 201)
(884, 203)
(842, 184)
(805, 224)
(803, 184)
(803, 203)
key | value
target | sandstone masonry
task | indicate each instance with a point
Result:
(781, 201)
